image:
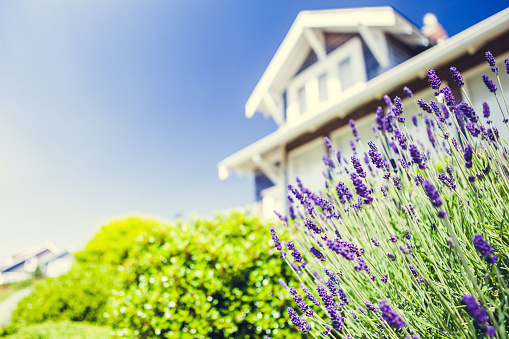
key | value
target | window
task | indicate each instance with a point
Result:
(346, 76)
(302, 100)
(322, 87)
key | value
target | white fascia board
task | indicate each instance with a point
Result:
(350, 17)
(404, 72)
(282, 54)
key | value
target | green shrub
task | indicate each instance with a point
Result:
(80, 295)
(112, 243)
(206, 278)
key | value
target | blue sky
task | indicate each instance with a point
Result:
(113, 108)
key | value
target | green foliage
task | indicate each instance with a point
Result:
(112, 243)
(60, 330)
(206, 278)
(79, 295)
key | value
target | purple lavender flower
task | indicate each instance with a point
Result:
(414, 273)
(467, 111)
(474, 309)
(358, 167)
(400, 136)
(397, 109)
(393, 319)
(311, 225)
(375, 242)
(370, 306)
(432, 193)
(486, 110)
(507, 65)
(484, 248)
(352, 145)
(416, 156)
(490, 85)
(328, 143)
(449, 182)
(393, 238)
(491, 61)
(299, 322)
(317, 254)
(491, 331)
(442, 214)
(376, 158)
(467, 155)
(433, 79)
(408, 92)
(354, 130)
(384, 278)
(456, 75)
(310, 295)
(448, 96)
(360, 188)
(424, 105)
(388, 101)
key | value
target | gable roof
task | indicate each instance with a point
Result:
(307, 33)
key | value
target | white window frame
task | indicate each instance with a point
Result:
(309, 79)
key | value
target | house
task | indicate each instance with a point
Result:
(45, 258)
(336, 65)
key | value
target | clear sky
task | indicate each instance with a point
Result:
(113, 108)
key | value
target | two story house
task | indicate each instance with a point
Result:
(336, 65)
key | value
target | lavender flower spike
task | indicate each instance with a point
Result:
(467, 155)
(393, 319)
(507, 65)
(456, 76)
(354, 130)
(433, 79)
(411, 94)
(490, 85)
(486, 110)
(491, 61)
(474, 309)
(432, 193)
(484, 248)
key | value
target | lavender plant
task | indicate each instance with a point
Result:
(413, 243)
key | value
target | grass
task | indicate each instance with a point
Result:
(61, 330)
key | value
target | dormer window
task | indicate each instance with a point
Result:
(327, 81)
(345, 73)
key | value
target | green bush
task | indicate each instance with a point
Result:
(112, 243)
(206, 278)
(80, 295)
